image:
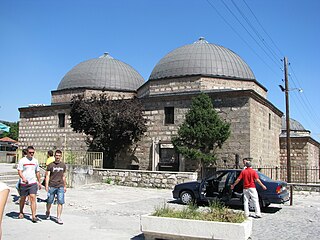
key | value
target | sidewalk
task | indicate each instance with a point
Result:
(97, 211)
(102, 211)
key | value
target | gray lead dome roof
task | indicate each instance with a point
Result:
(202, 58)
(104, 72)
(294, 125)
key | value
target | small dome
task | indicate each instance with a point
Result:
(296, 129)
(294, 125)
(202, 58)
(104, 72)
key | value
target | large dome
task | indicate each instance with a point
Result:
(202, 58)
(104, 72)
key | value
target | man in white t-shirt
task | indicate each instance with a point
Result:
(29, 173)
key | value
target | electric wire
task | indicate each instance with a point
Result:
(244, 27)
(265, 43)
(263, 29)
(239, 35)
(300, 100)
(313, 115)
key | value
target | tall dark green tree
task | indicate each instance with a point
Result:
(110, 125)
(202, 132)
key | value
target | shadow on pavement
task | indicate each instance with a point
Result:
(271, 209)
(174, 201)
(138, 237)
(264, 210)
(15, 215)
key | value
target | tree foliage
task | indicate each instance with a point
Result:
(110, 125)
(14, 130)
(202, 132)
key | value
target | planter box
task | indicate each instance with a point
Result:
(174, 228)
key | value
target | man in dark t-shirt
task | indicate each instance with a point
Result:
(56, 185)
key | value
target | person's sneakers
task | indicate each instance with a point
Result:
(47, 215)
(59, 221)
(21, 216)
(257, 216)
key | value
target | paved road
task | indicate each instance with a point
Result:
(102, 211)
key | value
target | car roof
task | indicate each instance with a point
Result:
(230, 170)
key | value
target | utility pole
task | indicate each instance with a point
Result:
(287, 120)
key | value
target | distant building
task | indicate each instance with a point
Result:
(178, 77)
(8, 149)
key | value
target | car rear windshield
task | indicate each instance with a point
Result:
(264, 177)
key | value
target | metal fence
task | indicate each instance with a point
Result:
(94, 159)
(299, 174)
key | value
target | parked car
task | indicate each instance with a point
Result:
(217, 187)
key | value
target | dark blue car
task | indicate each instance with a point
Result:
(217, 187)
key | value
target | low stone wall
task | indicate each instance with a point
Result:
(78, 175)
(305, 187)
(142, 178)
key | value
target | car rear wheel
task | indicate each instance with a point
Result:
(261, 203)
(187, 197)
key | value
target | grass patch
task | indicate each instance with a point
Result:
(108, 180)
(215, 212)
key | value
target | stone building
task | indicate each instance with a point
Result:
(178, 77)
(304, 150)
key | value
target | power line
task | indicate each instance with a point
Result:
(238, 34)
(273, 53)
(304, 101)
(232, 13)
(274, 44)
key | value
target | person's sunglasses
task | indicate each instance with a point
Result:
(31, 152)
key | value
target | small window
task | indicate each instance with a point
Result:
(269, 121)
(62, 118)
(169, 115)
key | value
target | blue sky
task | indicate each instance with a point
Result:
(42, 40)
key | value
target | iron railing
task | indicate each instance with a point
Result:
(94, 159)
(299, 174)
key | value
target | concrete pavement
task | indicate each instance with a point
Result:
(102, 211)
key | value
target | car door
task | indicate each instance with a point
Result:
(225, 186)
(213, 187)
(235, 195)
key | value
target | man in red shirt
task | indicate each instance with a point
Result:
(249, 177)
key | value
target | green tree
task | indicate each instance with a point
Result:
(110, 125)
(202, 132)
(14, 130)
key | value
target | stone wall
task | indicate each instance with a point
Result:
(252, 134)
(265, 128)
(303, 152)
(64, 96)
(198, 83)
(39, 127)
(304, 159)
(78, 175)
(150, 179)
(81, 175)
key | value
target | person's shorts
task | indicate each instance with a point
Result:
(59, 192)
(28, 189)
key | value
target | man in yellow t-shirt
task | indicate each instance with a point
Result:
(50, 157)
